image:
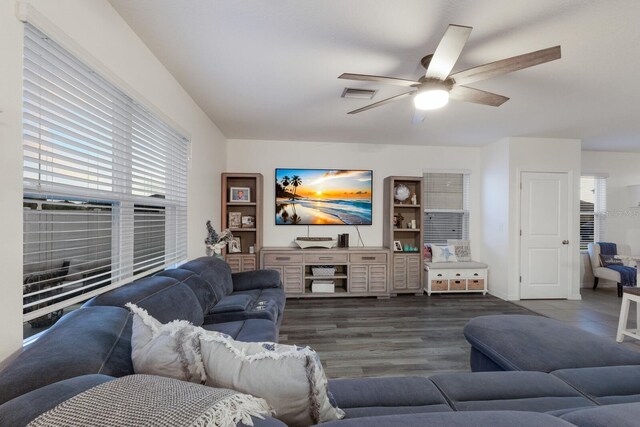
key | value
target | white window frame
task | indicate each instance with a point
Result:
(132, 179)
(599, 209)
(465, 204)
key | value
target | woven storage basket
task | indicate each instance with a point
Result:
(323, 271)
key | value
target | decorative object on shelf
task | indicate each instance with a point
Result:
(252, 249)
(414, 199)
(462, 249)
(397, 246)
(397, 220)
(401, 193)
(240, 194)
(234, 245)
(316, 242)
(235, 219)
(413, 224)
(248, 221)
(214, 241)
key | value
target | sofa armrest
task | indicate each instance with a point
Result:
(232, 303)
(258, 279)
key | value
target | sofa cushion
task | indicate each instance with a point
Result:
(232, 303)
(214, 271)
(520, 391)
(91, 340)
(456, 419)
(535, 343)
(250, 330)
(365, 397)
(164, 298)
(605, 385)
(623, 415)
(257, 279)
(20, 411)
(200, 287)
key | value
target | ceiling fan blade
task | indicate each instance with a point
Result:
(477, 96)
(448, 51)
(378, 79)
(418, 117)
(508, 65)
(384, 101)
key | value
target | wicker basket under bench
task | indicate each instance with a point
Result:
(445, 277)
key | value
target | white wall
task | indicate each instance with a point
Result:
(506, 160)
(622, 222)
(495, 215)
(384, 160)
(94, 30)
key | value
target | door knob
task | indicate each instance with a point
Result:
(565, 242)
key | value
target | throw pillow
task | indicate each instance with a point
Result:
(607, 260)
(169, 350)
(290, 378)
(462, 249)
(444, 253)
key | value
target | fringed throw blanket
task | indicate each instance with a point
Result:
(137, 400)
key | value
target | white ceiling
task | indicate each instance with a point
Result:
(268, 69)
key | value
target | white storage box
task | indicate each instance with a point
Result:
(325, 286)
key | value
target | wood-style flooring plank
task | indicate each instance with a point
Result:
(405, 335)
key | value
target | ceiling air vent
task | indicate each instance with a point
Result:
(349, 92)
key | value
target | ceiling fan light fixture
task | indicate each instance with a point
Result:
(431, 99)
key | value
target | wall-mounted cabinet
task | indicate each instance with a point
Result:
(242, 207)
(403, 232)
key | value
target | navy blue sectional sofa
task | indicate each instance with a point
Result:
(92, 345)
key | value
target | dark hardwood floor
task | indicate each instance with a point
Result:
(404, 335)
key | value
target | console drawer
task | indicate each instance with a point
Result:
(275, 259)
(379, 258)
(325, 258)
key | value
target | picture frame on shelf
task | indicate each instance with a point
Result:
(397, 246)
(240, 194)
(234, 246)
(248, 221)
(235, 219)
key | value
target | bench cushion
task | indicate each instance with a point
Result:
(455, 265)
(520, 391)
(536, 343)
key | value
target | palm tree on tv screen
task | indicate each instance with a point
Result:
(295, 181)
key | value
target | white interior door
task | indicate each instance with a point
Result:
(544, 244)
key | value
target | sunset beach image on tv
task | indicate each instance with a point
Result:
(323, 197)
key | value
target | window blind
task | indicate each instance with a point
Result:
(593, 206)
(446, 198)
(105, 183)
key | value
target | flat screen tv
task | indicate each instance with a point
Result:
(323, 197)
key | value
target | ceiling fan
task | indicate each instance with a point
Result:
(437, 86)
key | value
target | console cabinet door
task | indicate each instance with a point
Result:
(248, 262)
(293, 279)
(399, 272)
(413, 272)
(235, 263)
(377, 278)
(358, 275)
